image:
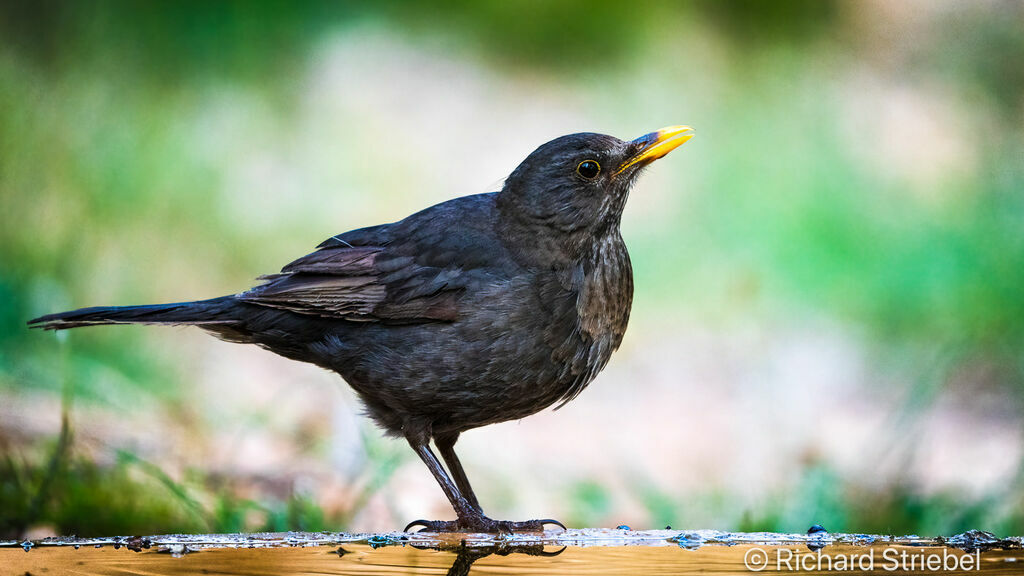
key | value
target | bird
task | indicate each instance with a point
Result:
(477, 310)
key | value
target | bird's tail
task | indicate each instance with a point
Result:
(202, 312)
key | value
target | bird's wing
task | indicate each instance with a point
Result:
(411, 271)
(362, 283)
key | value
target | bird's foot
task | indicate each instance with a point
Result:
(483, 524)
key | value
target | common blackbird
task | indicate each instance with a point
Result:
(477, 310)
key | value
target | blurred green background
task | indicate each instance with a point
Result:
(828, 324)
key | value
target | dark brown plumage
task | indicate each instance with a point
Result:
(478, 310)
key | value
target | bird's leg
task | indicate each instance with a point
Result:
(463, 509)
(469, 516)
(446, 446)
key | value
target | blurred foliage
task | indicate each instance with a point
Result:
(246, 40)
(589, 503)
(820, 495)
(100, 107)
(988, 60)
(71, 493)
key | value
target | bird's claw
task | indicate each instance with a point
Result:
(483, 524)
(433, 525)
(547, 521)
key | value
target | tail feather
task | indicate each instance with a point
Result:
(213, 311)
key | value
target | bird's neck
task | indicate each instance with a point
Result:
(539, 242)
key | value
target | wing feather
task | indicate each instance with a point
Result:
(361, 283)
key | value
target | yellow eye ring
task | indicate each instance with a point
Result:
(588, 169)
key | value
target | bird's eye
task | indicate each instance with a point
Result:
(589, 169)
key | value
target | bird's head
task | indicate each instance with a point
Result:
(576, 185)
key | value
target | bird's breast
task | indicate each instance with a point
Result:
(606, 291)
(602, 289)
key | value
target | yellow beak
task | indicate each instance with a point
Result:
(657, 144)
